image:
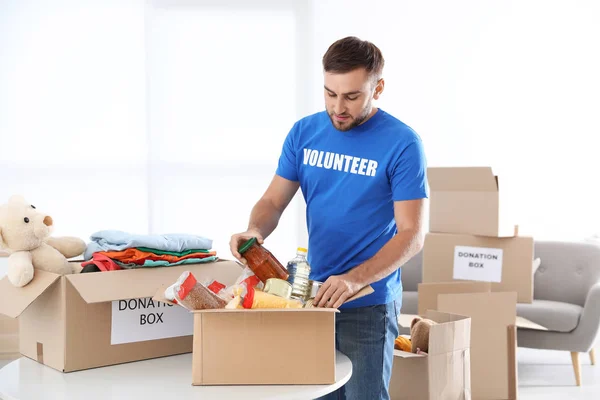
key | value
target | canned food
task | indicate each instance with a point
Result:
(278, 287)
(314, 288)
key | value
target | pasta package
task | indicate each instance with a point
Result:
(193, 295)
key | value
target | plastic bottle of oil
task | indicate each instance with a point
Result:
(299, 272)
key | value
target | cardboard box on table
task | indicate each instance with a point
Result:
(9, 327)
(9, 338)
(507, 263)
(445, 372)
(263, 346)
(466, 200)
(82, 321)
(493, 332)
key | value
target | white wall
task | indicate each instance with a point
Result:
(162, 116)
(510, 84)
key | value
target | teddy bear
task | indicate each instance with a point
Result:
(419, 334)
(419, 337)
(25, 235)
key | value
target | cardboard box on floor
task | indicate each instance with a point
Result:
(82, 321)
(445, 372)
(263, 346)
(466, 200)
(507, 263)
(493, 332)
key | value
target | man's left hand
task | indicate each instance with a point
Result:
(335, 291)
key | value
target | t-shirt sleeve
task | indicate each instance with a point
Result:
(286, 167)
(409, 173)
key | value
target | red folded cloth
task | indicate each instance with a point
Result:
(103, 262)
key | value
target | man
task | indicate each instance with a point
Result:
(363, 175)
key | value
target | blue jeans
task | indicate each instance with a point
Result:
(366, 335)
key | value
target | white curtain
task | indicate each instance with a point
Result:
(149, 117)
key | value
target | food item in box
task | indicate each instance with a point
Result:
(262, 262)
(402, 343)
(245, 280)
(193, 295)
(259, 299)
(215, 286)
(299, 272)
(234, 303)
(278, 287)
(314, 289)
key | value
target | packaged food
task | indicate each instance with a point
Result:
(262, 262)
(249, 278)
(215, 286)
(193, 295)
(259, 299)
(234, 303)
(245, 280)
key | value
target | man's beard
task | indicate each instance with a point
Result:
(352, 122)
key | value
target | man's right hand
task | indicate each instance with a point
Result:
(239, 238)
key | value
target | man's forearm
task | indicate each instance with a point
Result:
(392, 255)
(264, 217)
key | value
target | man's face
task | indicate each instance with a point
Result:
(348, 97)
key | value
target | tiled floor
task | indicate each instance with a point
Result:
(548, 375)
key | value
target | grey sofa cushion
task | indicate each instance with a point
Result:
(567, 272)
(412, 273)
(554, 315)
(410, 303)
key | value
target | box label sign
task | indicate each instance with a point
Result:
(138, 320)
(477, 264)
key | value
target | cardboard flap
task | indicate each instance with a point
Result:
(406, 354)
(99, 287)
(451, 333)
(474, 179)
(428, 292)
(527, 324)
(265, 310)
(16, 300)
(361, 293)
(404, 320)
(492, 357)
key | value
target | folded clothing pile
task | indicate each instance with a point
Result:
(112, 250)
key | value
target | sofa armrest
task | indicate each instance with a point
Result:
(589, 323)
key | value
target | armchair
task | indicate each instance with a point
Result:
(566, 300)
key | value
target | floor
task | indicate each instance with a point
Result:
(548, 375)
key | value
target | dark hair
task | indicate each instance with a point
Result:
(350, 53)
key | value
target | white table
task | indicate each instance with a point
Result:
(167, 378)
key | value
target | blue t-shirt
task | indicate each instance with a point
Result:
(350, 181)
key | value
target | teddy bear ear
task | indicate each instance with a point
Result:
(414, 321)
(16, 198)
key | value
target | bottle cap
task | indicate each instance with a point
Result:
(302, 250)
